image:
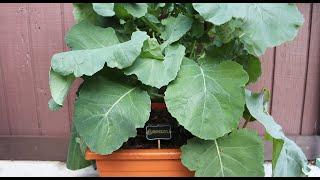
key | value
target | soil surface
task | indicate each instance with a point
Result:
(178, 133)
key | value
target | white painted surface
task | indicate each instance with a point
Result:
(56, 169)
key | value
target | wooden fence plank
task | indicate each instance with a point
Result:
(289, 78)
(4, 121)
(33, 148)
(47, 39)
(311, 111)
(16, 64)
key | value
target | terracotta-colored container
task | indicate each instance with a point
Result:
(140, 162)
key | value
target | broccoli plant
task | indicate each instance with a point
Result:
(203, 55)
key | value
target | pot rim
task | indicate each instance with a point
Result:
(136, 154)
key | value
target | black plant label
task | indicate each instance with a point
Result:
(159, 131)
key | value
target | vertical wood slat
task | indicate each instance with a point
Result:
(16, 65)
(4, 121)
(46, 33)
(265, 81)
(311, 111)
(289, 77)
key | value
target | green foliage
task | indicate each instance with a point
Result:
(264, 26)
(237, 154)
(76, 152)
(217, 97)
(202, 55)
(288, 158)
(112, 110)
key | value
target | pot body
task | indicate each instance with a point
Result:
(140, 162)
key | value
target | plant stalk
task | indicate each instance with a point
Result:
(246, 122)
(193, 47)
(151, 25)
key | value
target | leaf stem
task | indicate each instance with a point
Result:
(151, 25)
(156, 95)
(246, 122)
(193, 47)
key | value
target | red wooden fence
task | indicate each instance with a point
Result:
(31, 33)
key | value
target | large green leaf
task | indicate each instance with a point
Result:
(76, 156)
(233, 51)
(128, 10)
(104, 9)
(136, 9)
(265, 24)
(255, 104)
(84, 11)
(88, 62)
(83, 35)
(175, 28)
(108, 111)
(157, 73)
(290, 161)
(252, 66)
(237, 154)
(207, 99)
(59, 86)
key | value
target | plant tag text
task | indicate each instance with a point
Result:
(157, 132)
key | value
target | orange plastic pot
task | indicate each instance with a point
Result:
(140, 162)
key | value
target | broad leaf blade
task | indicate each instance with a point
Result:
(265, 24)
(237, 154)
(76, 157)
(104, 9)
(252, 66)
(112, 110)
(59, 86)
(136, 9)
(157, 73)
(84, 11)
(85, 35)
(88, 62)
(233, 51)
(290, 161)
(175, 28)
(255, 104)
(207, 99)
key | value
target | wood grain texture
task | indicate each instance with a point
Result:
(16, 63)
(24, 147)
(289, 77)
(311, 110)
(4, 121)
(47, 39)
